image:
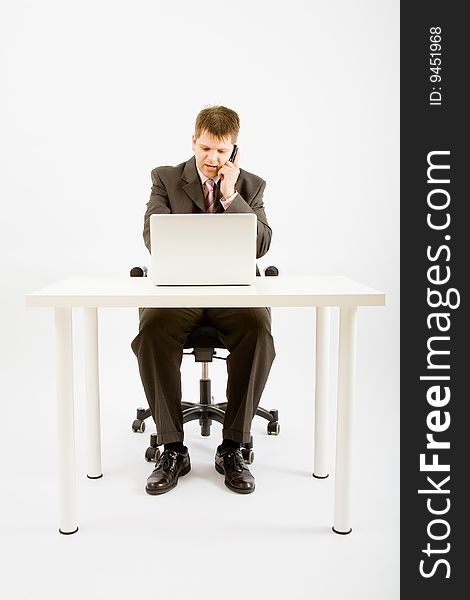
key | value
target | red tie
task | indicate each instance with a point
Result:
(209, 195)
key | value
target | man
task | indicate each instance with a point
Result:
(207, 182)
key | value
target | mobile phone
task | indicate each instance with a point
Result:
(234, 153)
(231, 159)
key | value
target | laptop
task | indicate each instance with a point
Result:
(203, 249)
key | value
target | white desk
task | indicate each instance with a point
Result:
(90, 294)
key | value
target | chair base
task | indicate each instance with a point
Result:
(206, 412)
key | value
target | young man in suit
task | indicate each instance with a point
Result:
(207, 182)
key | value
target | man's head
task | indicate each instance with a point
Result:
(215, 133)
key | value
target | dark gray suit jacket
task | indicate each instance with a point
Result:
(179, 190)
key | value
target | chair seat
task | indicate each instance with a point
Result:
(204, 336)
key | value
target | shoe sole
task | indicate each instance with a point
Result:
(185, 471)
(231, 487)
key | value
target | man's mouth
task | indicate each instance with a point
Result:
(211, 166)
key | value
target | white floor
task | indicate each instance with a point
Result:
(200, 540)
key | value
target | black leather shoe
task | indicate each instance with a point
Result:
(170, 466)
(230, 462)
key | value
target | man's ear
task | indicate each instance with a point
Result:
(193, 139)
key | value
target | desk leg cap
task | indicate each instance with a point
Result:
(97, 476)
(342, 532)
(68, 532)
(320, 476)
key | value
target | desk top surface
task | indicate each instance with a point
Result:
(312, 290)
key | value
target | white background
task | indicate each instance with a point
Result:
(95, 95)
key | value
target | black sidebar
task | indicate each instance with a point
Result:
(435, 328)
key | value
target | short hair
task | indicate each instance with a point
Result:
(219, 121)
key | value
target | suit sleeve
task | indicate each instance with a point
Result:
(158, 203)
(255, 205)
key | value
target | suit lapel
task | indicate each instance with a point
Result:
(192, 185)
(219, 193)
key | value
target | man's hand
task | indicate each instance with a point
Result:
(228, 174)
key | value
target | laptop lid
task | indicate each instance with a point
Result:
(203, 249)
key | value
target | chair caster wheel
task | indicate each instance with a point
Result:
(274, 428)
(248, 455)
(138, 426)
(152, 454)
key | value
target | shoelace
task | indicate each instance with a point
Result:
(235, 459)
(167, 460)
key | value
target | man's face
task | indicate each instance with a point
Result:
(211, 153)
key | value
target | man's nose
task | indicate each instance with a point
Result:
(212, 157)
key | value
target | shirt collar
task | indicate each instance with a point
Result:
(203, 178)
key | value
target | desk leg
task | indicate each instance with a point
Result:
(65, 412)
(346, 381)
(322, 365)
(90, 316)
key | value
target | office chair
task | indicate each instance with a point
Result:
(204, 341)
